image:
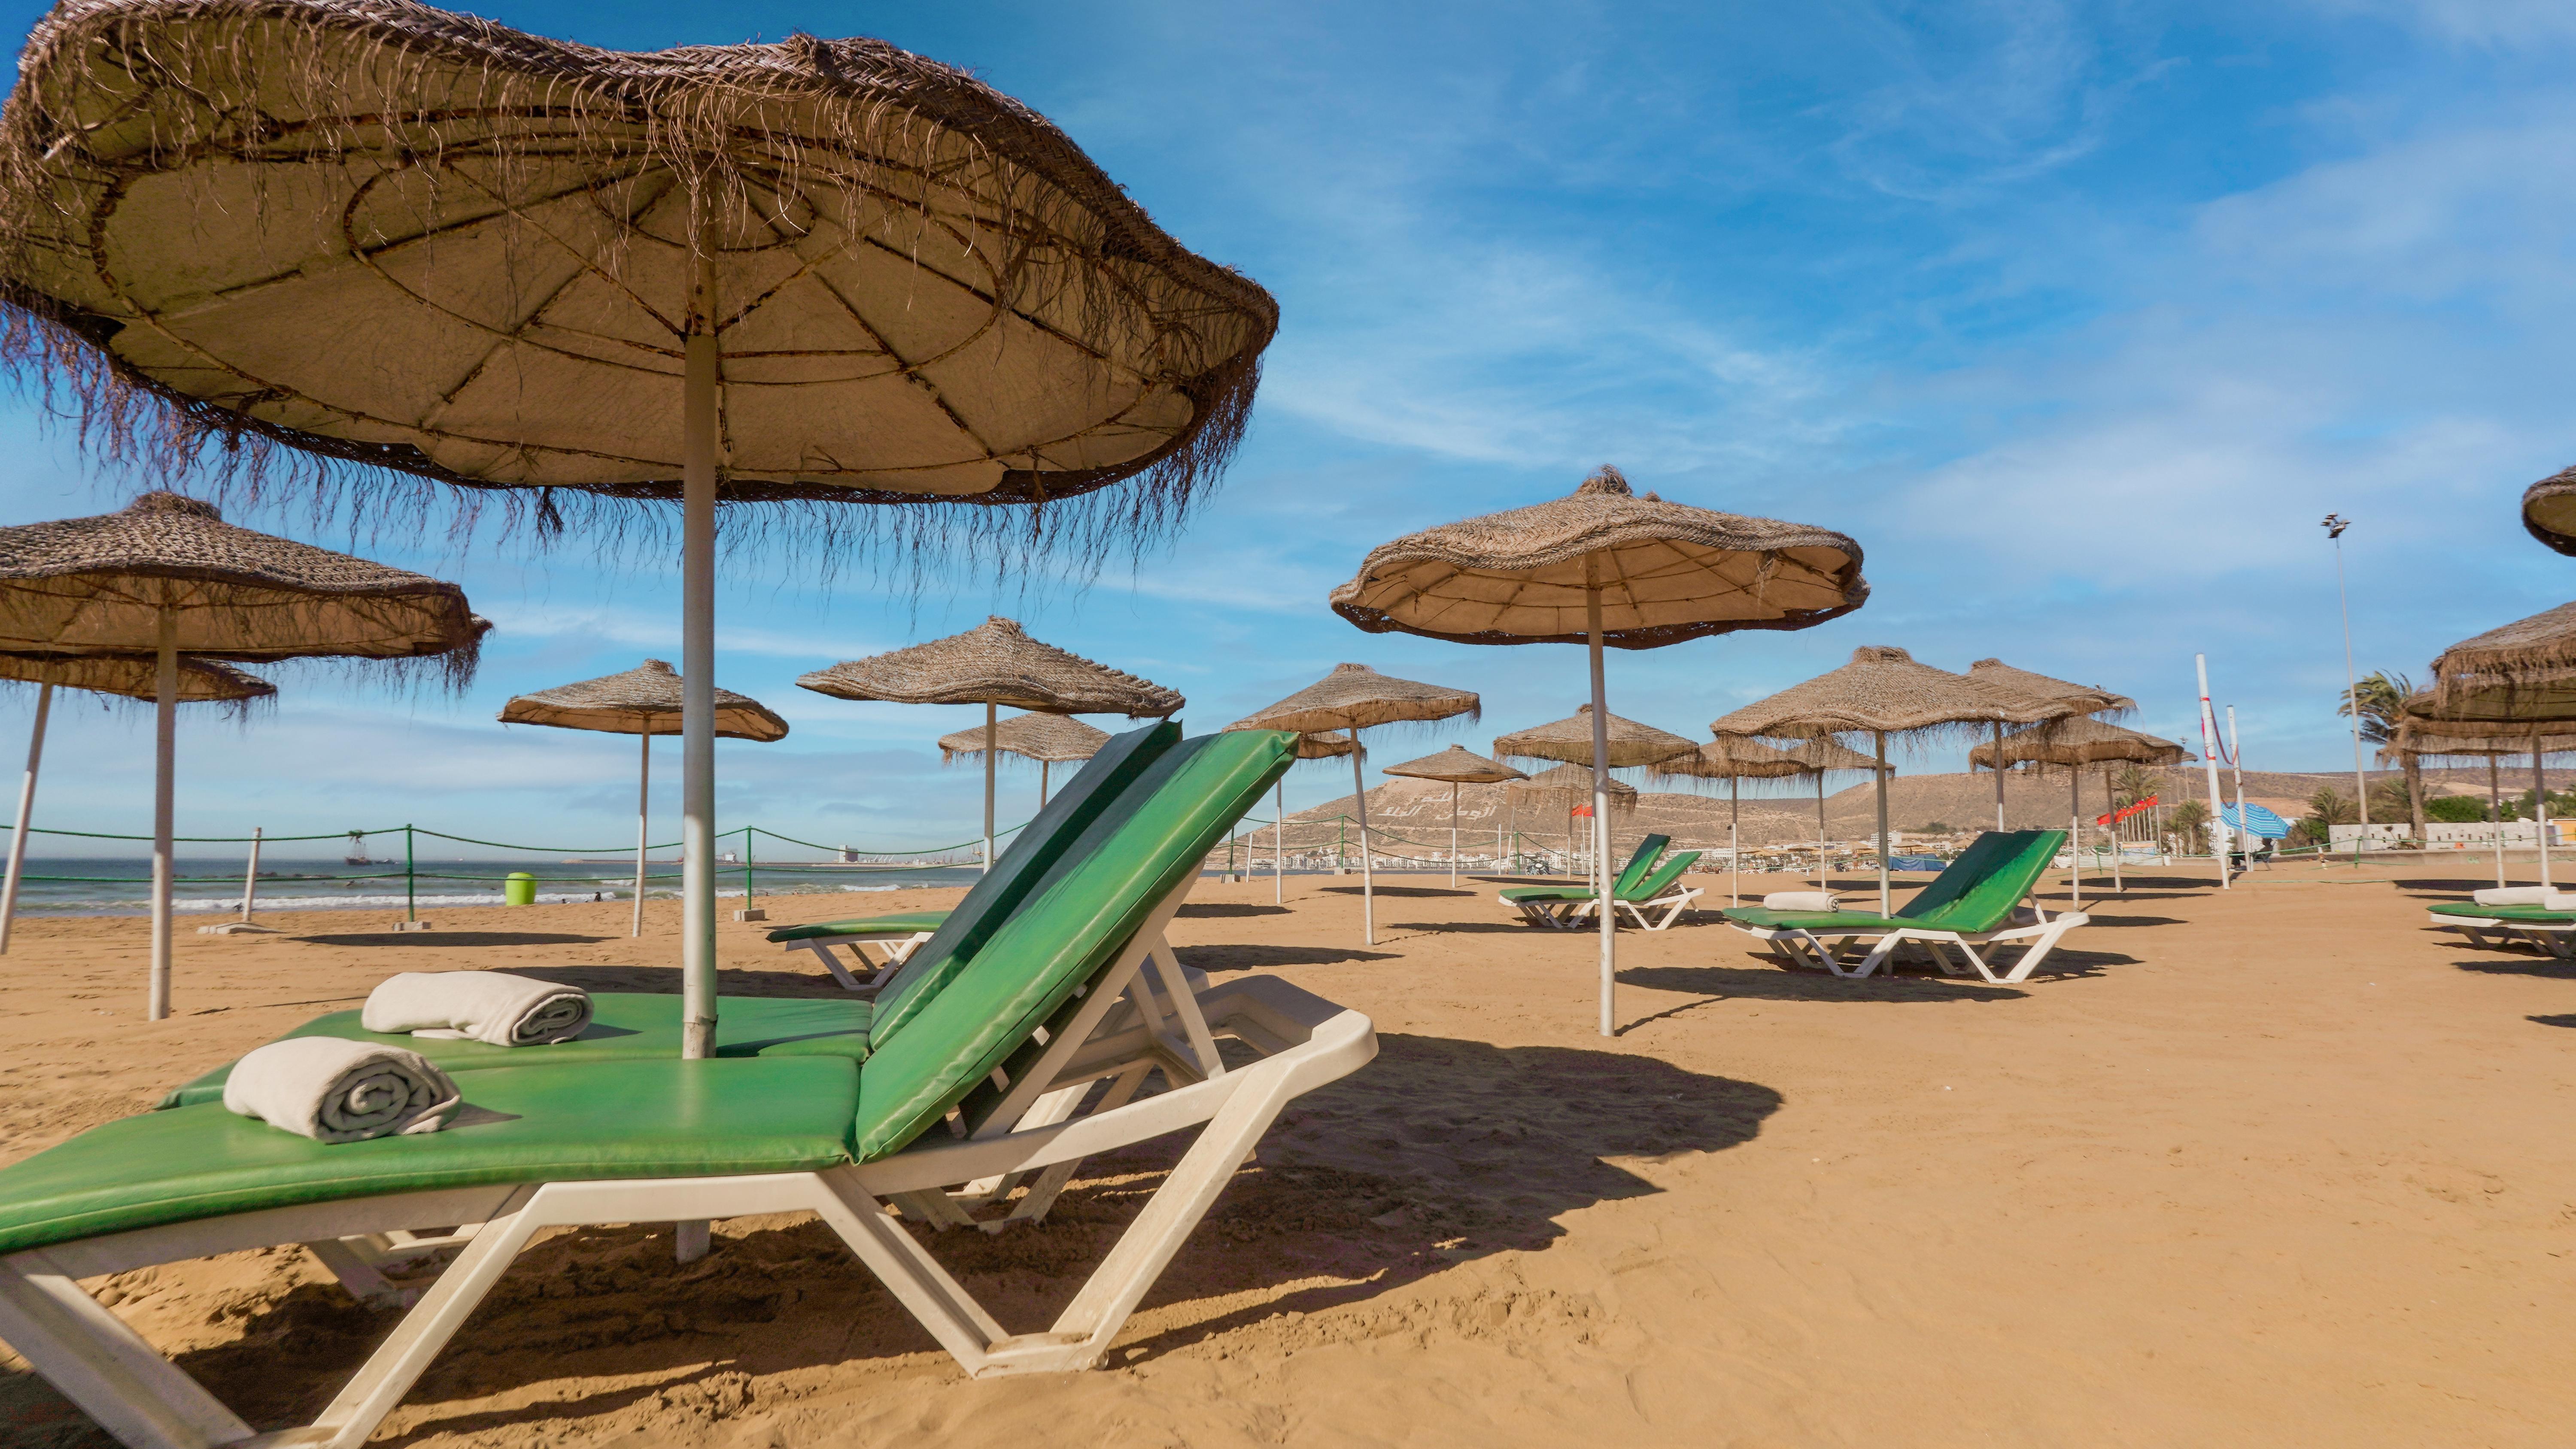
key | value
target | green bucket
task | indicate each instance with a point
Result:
(518, 888)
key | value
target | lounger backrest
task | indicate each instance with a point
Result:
(1153, 839)
(1640, 863)
(1980, 888)
(1019, 871)
(1665, 874)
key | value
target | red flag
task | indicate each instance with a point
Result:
(1583, 811)
(2124, 812)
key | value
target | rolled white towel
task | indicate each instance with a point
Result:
(1802, 901)
(333, 1090)
(2513, 895)
(492, 1006)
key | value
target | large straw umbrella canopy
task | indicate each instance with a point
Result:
(814, 271)
(1355, 697)
(166, 576)
(2549, 510)
(2080, 699)
(644, 701)
(994, 664)
(1604, 568)
(1457, 765)
(127, 676)
(1883, 692)
(1049, 739)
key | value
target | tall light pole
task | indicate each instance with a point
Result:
(2334, 525)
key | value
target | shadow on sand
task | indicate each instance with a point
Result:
(1440, 1151)
(1207, 910)
(453, 938)
(1255, 958)
(1388, 892)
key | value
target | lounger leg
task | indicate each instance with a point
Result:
(1050, 1183)
(823, 952)
(94, 1360)
(358, 1275)
(915, 1278)
(401, 1359)
(1096, 1314)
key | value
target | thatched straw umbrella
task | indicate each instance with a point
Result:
(1049, 739)
(994, 664)
(1355, 697)
(128, 676)
(167, 576)
(1604, 567)
(2080, 699)
(1735, 761)
(2075, 743)
(2522, 718)
(1882, 692)
(1459, 766)
(2549, 510)
(644, 701)
(2419, 738)
(1570, 740)
(810, 272)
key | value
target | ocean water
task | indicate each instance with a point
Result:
(207, 886)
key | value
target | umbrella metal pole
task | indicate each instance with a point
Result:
(1368, 880)
(2244, 823)
(2495, 824)
(701, 366)
(2118, 886)
(1603, 906)
(1886, 906)
(1279, 844)
(2540, 807)
(250, 874)
(165, 749)
(1042, 784)
(2209, 761)
(1734, 848)
(1999, 774)
(1824, 848)
(2075, 833)
(1453, 835)
(643, 824)
(989, 752)
(26, 809)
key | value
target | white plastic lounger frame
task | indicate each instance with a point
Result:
(898, 946)
(2555, 937)
(1796, 947)
(89, 1354)
(1672, 903)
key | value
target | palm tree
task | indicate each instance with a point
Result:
(2382, 697)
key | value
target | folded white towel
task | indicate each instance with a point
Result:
(2513, 895)
(492, 1006)
(333, 1090)
(1802, 901)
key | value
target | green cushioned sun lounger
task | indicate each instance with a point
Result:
(981, 1083)
(1974, 903)
(2551, 930)
(1556, 905)
(1659, 890)
(629, 1026)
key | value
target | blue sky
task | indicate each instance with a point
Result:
(2078, 317)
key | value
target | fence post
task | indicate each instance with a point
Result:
(411, 882)
(746, 867)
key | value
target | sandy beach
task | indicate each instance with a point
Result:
(2273, 1166)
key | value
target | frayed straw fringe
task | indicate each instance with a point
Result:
(104, 97)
